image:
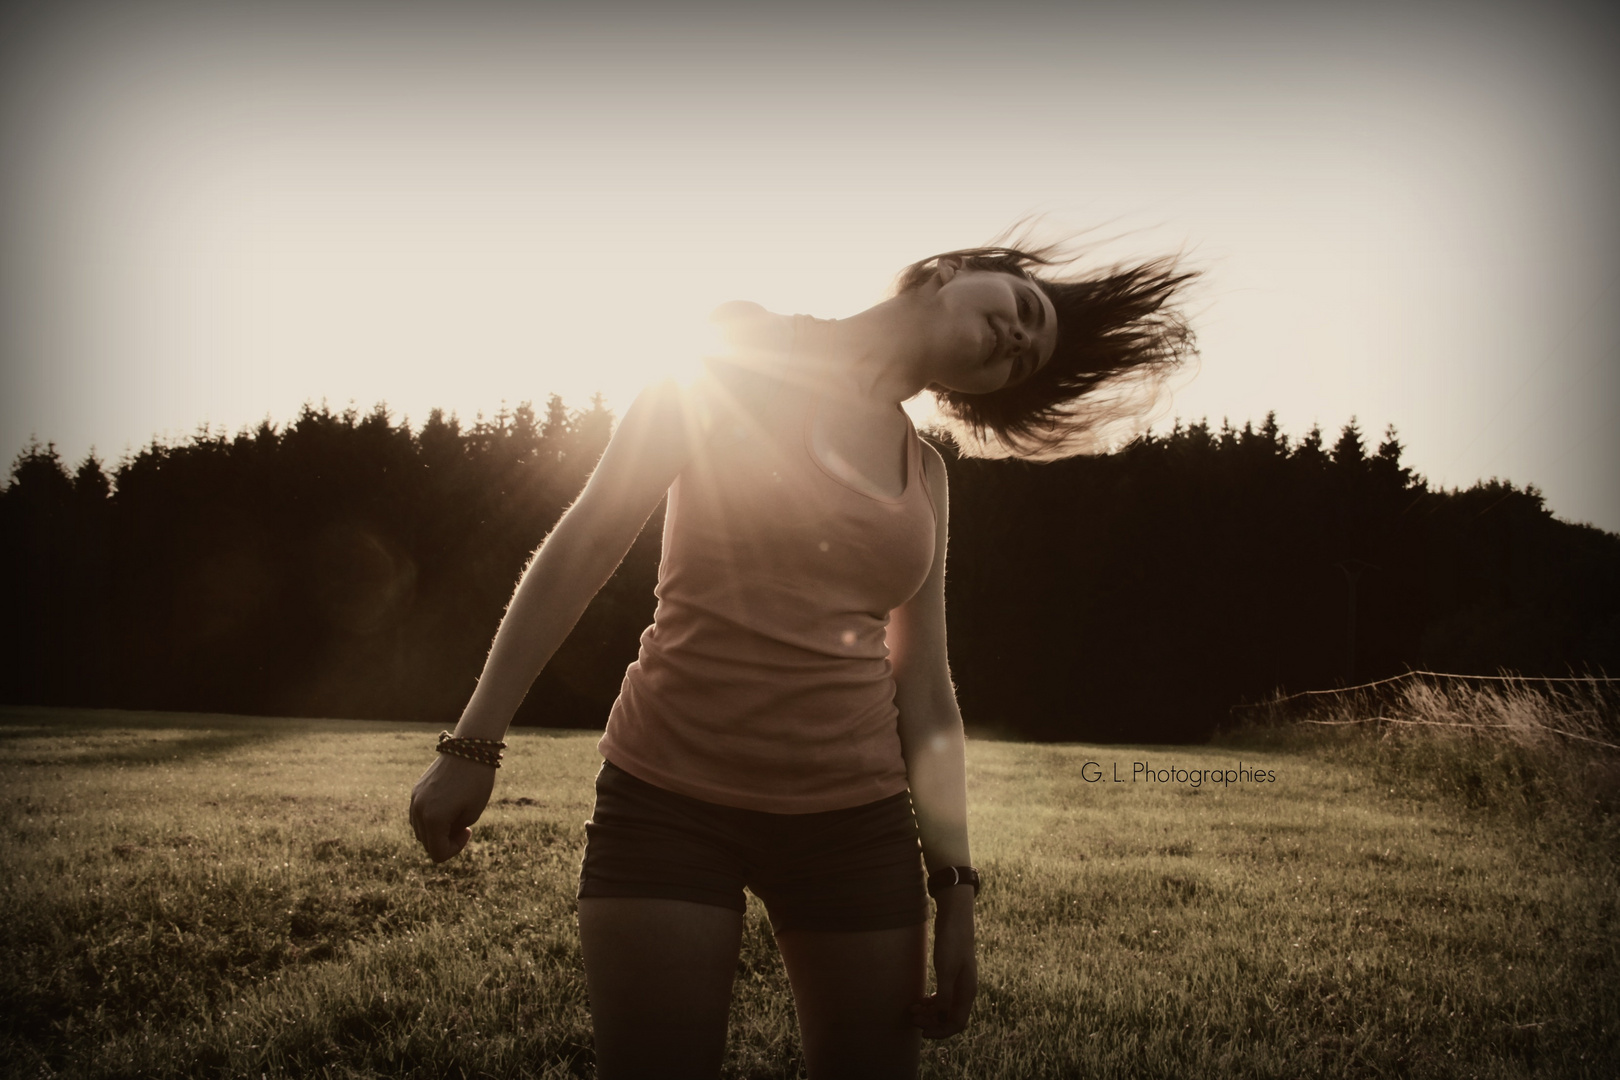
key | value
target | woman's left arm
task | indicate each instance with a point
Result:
(932, 740)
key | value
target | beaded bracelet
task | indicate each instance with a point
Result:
(483, 751)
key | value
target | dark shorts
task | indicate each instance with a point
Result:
(853, 869)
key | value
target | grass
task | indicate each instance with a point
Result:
(221, 896)
(1530, 749)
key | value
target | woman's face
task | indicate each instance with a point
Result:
(990, 329)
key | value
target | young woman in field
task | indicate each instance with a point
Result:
(790, 725)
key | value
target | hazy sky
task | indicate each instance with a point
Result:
(214, 213)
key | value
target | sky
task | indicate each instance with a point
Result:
(213, 214)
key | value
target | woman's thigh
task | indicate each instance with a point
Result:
(853, 991)
(659, 975)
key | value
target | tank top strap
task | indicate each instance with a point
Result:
(918, 463)
(914, 459)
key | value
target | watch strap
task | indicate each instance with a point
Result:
(948, 876)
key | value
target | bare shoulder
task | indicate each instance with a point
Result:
(660, 404)
(669, 416)
(756, 346)
(748, 327)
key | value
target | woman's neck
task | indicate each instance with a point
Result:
(871, 355)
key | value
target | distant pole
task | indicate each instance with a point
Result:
(1352, 569)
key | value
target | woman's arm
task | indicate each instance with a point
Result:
(652, 444)
(931, 739)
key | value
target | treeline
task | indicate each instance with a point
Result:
(1139, 595)
(350, 565)
(346, 565)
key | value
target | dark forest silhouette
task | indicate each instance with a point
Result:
(348, 565)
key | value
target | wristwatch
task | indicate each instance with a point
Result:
(953, 875)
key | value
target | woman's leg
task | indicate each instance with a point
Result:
(659, 975)
(854, 991)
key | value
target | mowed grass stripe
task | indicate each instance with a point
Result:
(205, 896)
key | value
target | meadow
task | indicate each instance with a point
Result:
(200, 896)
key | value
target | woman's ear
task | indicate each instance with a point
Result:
(949, 266)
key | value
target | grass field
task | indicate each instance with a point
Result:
(225, 896)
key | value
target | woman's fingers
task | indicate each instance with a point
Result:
(933, 1014)
(447, 800)
(442, 844)
(446, 844)
(445, 836)
(940, 1016)
(925, 1014)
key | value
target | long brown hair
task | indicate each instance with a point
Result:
(1120, 335)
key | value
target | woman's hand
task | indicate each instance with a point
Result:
(446, 800)
(956, 970)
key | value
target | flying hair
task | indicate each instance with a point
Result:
(1120, 336)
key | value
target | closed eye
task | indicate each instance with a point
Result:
(1036, 312)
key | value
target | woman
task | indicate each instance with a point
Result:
(790, 724)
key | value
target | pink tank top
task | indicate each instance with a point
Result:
(764, 681)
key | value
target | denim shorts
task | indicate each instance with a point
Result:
(858, 868)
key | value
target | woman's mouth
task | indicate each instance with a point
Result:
(999, 347)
